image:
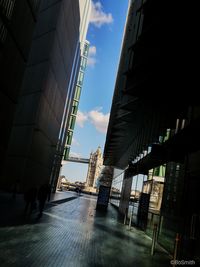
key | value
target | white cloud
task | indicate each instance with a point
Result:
(81, 118)
(91, 61)
(91, 56)
(92, 50)
(99, 120)
(98, 17)
(75, 142)
(95, 117)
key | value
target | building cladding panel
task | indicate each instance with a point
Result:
(16, 33)
(44, 91)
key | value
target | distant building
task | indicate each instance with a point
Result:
(94, 168)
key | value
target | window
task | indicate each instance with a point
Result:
(69, 138)
(66, 153)
(86, 50)
(72, 122)
(83, 63)
(74, 107)
(80, 78)
(77, 92)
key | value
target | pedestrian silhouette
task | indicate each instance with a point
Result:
(44, 194)
(78, 190)
(30, 199)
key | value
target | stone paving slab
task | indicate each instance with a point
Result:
(74, 234)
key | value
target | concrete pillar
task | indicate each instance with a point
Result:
(125, 194)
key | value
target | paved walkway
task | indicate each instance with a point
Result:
(74, 234)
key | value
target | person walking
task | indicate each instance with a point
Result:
(44, 194)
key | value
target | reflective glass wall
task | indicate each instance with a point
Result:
(136, 189)
(116, 188)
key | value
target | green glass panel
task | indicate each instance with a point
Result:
(66, 153)
(78, 92)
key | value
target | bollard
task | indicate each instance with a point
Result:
(154, 239)
(177, 239)
(130, 220)
(125, 216)
(129, 225)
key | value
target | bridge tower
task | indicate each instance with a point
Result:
(94, 167)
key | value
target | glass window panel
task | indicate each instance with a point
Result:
(74, 107)
(80, 78)
(66, 153)
(72, 122)
(69, 138)
(86, 50)
(78, 92)
(83, 63)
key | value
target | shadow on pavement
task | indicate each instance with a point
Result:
(12, 210)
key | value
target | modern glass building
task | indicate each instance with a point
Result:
(154, 127)
(76, 99)
(68, 119)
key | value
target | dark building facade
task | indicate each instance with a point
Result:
(16, 33)
(149, 103)
(41, 89)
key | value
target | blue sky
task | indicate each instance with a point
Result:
(105, 36)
